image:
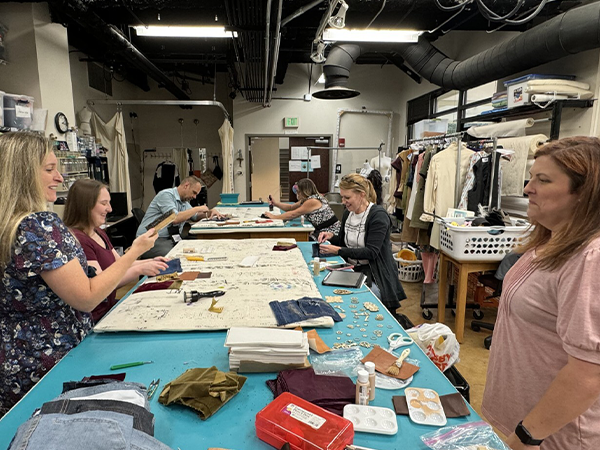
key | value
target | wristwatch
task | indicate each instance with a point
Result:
(525, 436)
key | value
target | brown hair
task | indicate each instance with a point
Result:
(307, 187)
(579, 158)
(358, 183)
(21, 157)
(81, 199)
(192, 179)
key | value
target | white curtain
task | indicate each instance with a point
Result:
(180, 158)
(226, 134)
(112, 135)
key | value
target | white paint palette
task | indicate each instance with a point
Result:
(425, 407)
(371, 419)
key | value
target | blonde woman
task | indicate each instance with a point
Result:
(45, 293)
(364, 240)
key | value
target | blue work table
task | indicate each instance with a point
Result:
(232, 427)
(292, 229)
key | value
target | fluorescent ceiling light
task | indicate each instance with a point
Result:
(332, 35)
(177, 31)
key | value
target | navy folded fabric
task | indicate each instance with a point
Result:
(174, 265)
(304, 308)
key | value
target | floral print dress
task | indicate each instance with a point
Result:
(322, 215)
(36, 327)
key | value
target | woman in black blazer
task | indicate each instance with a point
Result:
(364, 240)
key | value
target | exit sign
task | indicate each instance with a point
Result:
(291, 122)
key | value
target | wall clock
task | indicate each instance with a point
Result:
(61, 122)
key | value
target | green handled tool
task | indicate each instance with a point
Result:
(132, 364)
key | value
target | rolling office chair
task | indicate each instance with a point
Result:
(495, 282)
(139, 214)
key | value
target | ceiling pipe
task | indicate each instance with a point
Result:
(275, 52)
(299, 12)
(267, 44)
(572, 32)
(90, 21)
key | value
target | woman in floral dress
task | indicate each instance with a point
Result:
(45, 293)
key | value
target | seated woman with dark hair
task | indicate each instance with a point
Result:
(88, 203)
(364, 240)
(312, 205)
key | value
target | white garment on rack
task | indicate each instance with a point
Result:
(413, 193)
(112, 135)
(226, 135)
(514, 171)
(470, 179)
(440, 183)
(366, 170)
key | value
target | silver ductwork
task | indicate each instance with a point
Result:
(572, 32)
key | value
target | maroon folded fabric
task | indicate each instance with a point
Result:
(162, 285)
(283, 248)
(330, 393)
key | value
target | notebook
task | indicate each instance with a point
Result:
(344, 279)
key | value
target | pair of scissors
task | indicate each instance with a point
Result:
(152, 388)
(398, 340)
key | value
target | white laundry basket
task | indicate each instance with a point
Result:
(410, 271)
(479, 243)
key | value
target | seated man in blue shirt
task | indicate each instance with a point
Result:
(177, 200)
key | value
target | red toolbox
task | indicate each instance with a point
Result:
(303, 425)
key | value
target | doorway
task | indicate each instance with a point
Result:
(277, 162)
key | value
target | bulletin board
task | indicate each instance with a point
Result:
(277, 275)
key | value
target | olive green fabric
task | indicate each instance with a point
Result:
(204, 390)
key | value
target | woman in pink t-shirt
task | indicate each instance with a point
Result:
(88, 203)
(543, 381)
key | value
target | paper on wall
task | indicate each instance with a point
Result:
(299, 152)
(295, 166)
(315, 161)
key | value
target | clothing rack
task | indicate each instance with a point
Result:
(458, 135)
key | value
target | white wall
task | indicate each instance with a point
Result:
(20, 74)
(378, 86)
(158, 126)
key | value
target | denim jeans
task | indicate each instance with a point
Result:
(143, 420)
(92, 430)
(82, 392)
(304, 308)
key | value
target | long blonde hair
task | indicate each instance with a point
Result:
(358, 183)
(21, 157)
(579, 158)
